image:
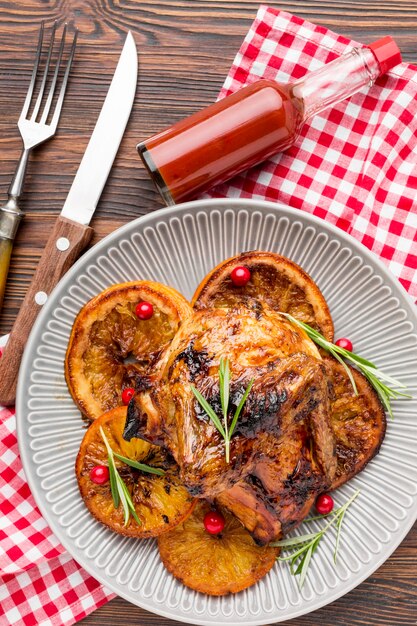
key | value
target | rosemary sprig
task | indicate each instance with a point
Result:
(376, 378)
(306, 545)
(224, 386)
(119, 490)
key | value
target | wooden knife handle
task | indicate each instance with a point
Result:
(64, 245)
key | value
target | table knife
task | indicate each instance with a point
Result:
(71, 232)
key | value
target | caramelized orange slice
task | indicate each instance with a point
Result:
(161, 502)
(110, 347)
(275, 281)
(214, 564)
(358, 421)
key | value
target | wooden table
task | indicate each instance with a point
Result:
(185, 50)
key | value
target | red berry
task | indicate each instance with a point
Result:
(144, 310)
(344, 343)
(240, 276)
(324, 504)
(214, 522)
(127, 395)
(99, 474)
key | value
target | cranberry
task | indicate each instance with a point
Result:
(324, 504)
(240, 276)
(127, 395)
(344, 343)
(144, 310)
(99, 474)
(214, 522)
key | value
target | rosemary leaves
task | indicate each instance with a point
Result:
(223, 427)
(305, 545)
(119, 491)
(376, 378)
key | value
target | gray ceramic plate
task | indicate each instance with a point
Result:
(178, 246)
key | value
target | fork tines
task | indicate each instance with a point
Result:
(46, 77)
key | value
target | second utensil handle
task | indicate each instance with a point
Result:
(10, 217)
(6, 246)
(64, 245)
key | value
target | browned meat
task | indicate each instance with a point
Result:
(282, 452)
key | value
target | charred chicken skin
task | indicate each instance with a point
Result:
(282, 451)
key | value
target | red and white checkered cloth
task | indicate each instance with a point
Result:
(354, 165)
(40, 582)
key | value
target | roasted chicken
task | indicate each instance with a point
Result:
(282, 452)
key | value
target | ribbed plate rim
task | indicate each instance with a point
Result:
(220, 204)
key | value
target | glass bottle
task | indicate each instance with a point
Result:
(254, 123)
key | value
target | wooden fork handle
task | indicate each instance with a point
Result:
(64, 245)
(6, 246)
(10, 217)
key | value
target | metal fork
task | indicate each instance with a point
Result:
(34, 131)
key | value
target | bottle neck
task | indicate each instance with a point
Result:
(336, 81)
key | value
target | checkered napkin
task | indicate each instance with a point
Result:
(39, 582)
(354, 165)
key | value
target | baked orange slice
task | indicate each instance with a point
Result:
(214, 564)
(358, 421)
(110, 347)
(160, 502)
(275, 281)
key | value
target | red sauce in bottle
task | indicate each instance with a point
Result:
(254, 123)
(222, 140)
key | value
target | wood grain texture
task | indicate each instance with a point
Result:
(185, 50)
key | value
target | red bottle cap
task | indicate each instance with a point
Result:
(386, 53)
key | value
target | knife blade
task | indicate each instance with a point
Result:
(71, 232)
(98, 158)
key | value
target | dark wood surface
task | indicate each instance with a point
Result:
(185, 49)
